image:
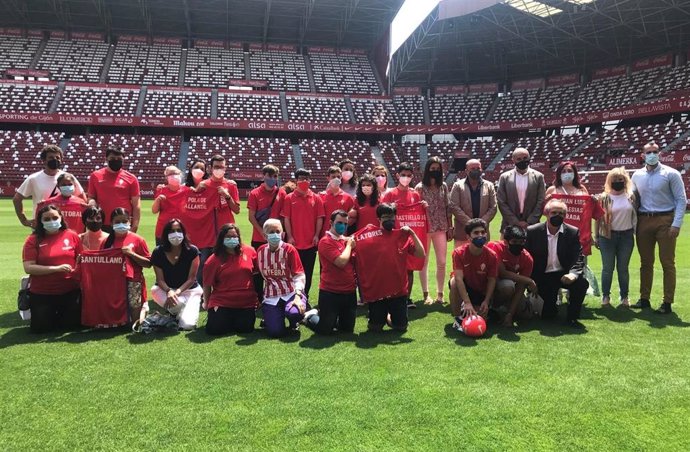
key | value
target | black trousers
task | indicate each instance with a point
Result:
(336, 310)
(230, 320)
(52, 312)
(549, 284)
(308, 258)
(396, 307)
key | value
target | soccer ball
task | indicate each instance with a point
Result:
(474, 326)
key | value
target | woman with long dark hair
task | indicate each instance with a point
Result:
(49, 257)
(366, 201)
(434, 191)
(196, 173)
(175, 262)
(349, 177)
(229, 292)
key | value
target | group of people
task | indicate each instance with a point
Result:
(369, 239)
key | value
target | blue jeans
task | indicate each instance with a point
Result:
(616, 251)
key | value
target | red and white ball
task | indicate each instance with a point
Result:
(474, 326)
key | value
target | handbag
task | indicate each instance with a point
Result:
(265, 213)
(23, 298)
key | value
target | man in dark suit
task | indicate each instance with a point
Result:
(558, 262)
(520, 192)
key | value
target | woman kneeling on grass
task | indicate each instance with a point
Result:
(175, 262)
(138, 257)
(229, 293)
(49, 257)
(281, 267)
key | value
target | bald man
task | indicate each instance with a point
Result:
(471, 197)
(521, 192)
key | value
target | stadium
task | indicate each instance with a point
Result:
(308, 83)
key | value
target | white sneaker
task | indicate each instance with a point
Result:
(308, 314)
(457, 324)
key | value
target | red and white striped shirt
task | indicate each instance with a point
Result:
(278, 269)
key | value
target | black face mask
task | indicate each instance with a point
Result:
(475, 174)
(516, 250)
(388, 225)
(436, 175)
(556, 220)
(54, 164)
(115, 165)
(618, 186)
(94, 226)
(522, 165)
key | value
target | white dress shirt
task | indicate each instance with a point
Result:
(552, 262)
(521, 187)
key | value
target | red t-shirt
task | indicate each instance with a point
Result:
(277, 209)
(60, 248)
(103, 277)
(521, 264)
(331, 203)
(476, 270)
(199, 217)
(223, 213)
(171, 207)
(138, 244)
(278, 267)
(232, 280)
(381, 262)
(112, 190)
(413, 216)
(401, 197)
(366, 214)
(581, 210)
(333, 278)
(260, 199)
(72, 208)
(303, 211)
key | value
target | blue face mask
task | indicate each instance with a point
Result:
(651, 159)
(51, 225)
(274, 238)
(340, 228)
(66, 190)
(121, 227)
(231, 242)
(479, 241)
(270, 182)
(567, 177)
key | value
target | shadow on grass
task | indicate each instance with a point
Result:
(22, 335)
(616, 314)
(461, 339)
(423, 310)
(368, 340)
(322, 341)
(11, 320)
(656, 320)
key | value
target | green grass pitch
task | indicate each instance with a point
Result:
(621, 385)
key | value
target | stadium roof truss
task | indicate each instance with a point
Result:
(347, 23)
(529, 38)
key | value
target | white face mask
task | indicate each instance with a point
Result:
(175, 180)
(404, 180)
(381, 180)
(335, 182)
(367, 190)
(175, 238)
(197, 173)
(218, 173)
(347, 175)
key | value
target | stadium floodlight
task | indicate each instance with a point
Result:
(534, 7)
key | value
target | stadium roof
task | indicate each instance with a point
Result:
(499, 40)
(348, 23)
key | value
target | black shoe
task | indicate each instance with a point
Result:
(642, 303)
(410, 304)
(664, 308)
